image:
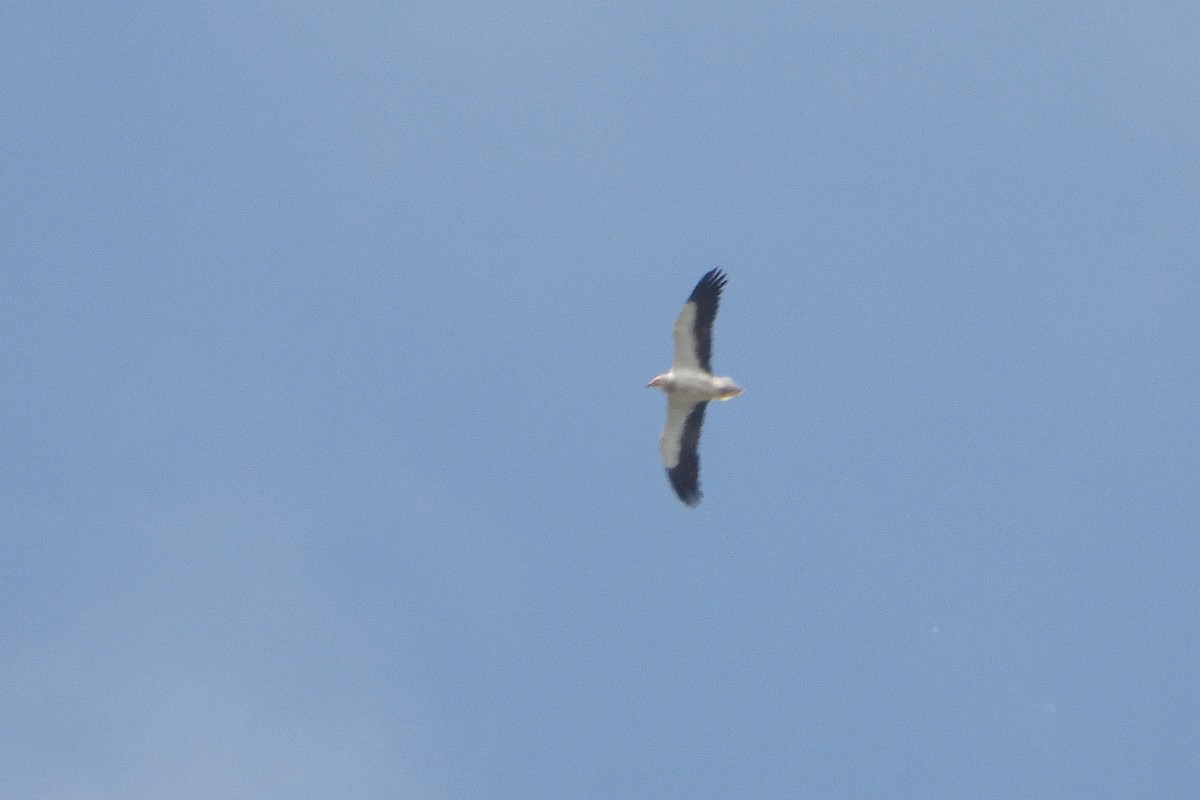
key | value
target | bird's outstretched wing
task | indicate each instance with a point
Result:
(693, 327)
(680, 444)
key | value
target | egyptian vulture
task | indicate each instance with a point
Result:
(690, 386)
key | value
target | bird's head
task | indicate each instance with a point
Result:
(661, 382)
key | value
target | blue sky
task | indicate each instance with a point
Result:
(328, 469)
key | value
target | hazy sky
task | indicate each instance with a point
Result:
(327, 466)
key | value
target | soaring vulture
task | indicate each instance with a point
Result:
(690, 385)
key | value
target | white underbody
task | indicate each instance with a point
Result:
(695, 385)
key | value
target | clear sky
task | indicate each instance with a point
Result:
(327, 466)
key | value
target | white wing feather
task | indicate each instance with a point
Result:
(685, 340)
(671, 440)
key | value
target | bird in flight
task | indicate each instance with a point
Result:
(690, 386)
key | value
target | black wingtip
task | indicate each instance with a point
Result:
(710, 286)
(685, 486)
